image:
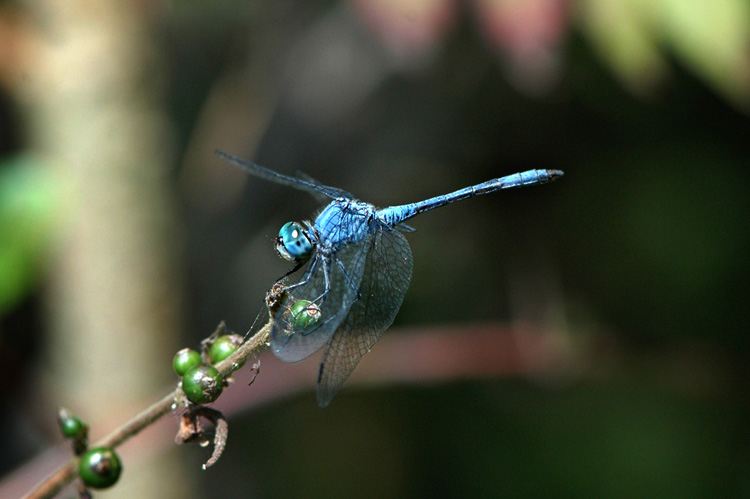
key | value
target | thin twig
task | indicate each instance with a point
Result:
(253, 345)
(66, 473)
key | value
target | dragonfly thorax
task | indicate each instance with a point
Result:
(342, 222)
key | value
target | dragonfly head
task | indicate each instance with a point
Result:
(293, 243)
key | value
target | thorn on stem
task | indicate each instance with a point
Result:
(255, 369)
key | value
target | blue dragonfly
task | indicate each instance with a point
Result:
(359, 266)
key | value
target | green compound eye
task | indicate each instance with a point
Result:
(99, 468)
(305, 314)
(293, 243)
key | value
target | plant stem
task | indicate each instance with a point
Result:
(65, 474)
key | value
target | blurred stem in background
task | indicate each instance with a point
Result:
(94, 116)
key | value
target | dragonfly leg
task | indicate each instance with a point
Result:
(316, 304)
(348, 279)
(305, 279)
(295, 269)
(286, 290)
(326, 284)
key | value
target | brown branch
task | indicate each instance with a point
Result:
(65, 474)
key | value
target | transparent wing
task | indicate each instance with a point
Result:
(291, 341)
(385, 280)
(320, 197)
(298, 183)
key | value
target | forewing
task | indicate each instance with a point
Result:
(384, 282)
(314, 187)
(292, 343)
(320, 197)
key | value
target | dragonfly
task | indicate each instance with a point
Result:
(359, 266)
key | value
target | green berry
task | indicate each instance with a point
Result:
(202, 384)
(305, 314)
(223, 347)
(184, 360)
(99, 468)
(70, 425)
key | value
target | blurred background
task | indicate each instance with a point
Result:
(583, 338)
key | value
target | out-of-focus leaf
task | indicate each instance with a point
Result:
(29, 201)
(711, 38)
(408, 26)
(528, 34)
(620, 32)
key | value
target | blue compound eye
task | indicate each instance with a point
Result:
(293, 243)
